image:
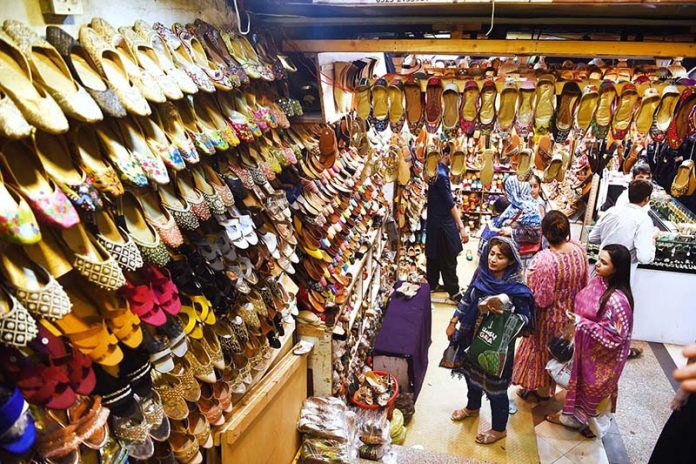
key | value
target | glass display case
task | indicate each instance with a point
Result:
(675, 249)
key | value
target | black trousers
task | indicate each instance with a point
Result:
(445, 265)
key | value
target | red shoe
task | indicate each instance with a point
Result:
(143, 302)
(166, 293)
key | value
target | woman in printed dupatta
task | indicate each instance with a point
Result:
(603, 324)
(522, 219)
(499, 272)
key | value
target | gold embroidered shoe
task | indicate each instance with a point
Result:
(17, 328)
(33, 286)
(50, 70)
(36, 105)
(147, 239)
(112, 68)
(12, 123)
(92, 260)
(142, 79)
(117, 242)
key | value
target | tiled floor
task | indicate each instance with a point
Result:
(643, 407)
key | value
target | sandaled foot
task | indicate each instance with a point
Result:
(461, 414)
(531, 396)
(587, 433)
(635, 352)
(554, 418)
(490, 436)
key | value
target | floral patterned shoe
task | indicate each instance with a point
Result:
(173, 126)
(152, 165)
(117, 242)
(128, 169)
(87, 153)
(53, 153)
(17, 221)
(217, 206)
(159, 143)
(190, 121)
(50, 205)
(161, 220)
(183, 58)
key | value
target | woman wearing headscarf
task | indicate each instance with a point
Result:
(499, 273)
(522, 219)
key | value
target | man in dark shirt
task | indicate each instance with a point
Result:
(445, 233)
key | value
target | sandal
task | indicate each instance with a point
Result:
(461, 414)
(635, 352)
(531, 395)
(490, 436)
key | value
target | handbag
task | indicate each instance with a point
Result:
(453, 356)
(560, 371)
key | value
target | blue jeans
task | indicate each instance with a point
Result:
(499, 405)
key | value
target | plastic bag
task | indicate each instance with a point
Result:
(325, 451)
(374, 433)
(489, 349)
(324, 417)
(560, 372)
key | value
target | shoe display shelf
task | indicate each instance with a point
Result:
(475, 201)
(365, 271)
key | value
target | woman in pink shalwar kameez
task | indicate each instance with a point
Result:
(603, 325)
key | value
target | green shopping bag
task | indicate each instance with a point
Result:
(489, 349)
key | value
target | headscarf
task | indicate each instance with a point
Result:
(523, 208)
(511, 283)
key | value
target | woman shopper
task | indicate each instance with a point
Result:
(499, 272)
(555, 276)
(522, 219)
(603, 324)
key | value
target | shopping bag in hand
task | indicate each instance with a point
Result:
(489, 348)
(560, 371)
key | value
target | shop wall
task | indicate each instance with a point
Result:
(119, 12)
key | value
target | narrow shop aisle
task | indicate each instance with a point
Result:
(642, 410)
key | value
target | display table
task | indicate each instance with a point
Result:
(405, 335)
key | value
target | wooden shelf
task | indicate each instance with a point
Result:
(562, 48)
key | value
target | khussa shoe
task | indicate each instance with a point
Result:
(164, 55)
(601, 121)
(144, 236)
(487, 114)
(565, 110)
(159, 143)
(12, 123)
(85, 149)
(152, 165)
(17, 221)
(508, 107)
(81, 67)
(545, 104)
(681, 123)
(414, 104)
(32, 285)
(159, 218)
(524, 166)
(526, 103)
(663, 114)
(149, 61)
(468, 113)
(433, 104)
(143, 80)
(487, 168)
(112, 144)
(17, 327)
(379, 118)
(92, 260)
(54, 156)
(586, 110)
(25, 172)
(112, 68)
(648, 105)
(684, 183)
(450, 114)
(623, 115)
(117, 242)
(36, 105)
(183, 59)
(49, 70)
(397, 113)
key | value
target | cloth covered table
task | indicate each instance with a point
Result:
(406, 333)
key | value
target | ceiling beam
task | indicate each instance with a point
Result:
(563, 48)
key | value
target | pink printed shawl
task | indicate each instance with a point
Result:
(602, 343)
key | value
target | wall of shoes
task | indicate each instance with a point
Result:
(162, 225)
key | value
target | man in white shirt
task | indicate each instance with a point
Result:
(630, 225)
(640, 171)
